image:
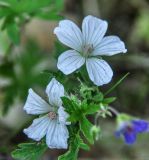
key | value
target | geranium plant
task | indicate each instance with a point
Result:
(62, 119)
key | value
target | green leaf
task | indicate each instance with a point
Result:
(59, 4)
(74, 117)
(14, 33)
(72, 152)
(4, 11)
(83, 145)
(29, 151)
(52, 12)
(29, 6)
(75, 143)
(77, 111)
(70, 105)
(86, 127)
(109, 100)
(98, 98)
(52, 15)
(91, 109)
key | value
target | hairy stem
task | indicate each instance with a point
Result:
(113, 110)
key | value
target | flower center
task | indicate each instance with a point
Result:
(129, 129)
(87, 50)
(52, 115)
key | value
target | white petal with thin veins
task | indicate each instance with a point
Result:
(38, 128)
(35, 104)
(55, 91)
(110, 45)
(63, 116)
(91, 42)
(70, 61)
(57, 135)
(99, 71)
(69, 34)
(93, 30)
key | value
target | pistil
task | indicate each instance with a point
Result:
(52, 115)
(87, 50)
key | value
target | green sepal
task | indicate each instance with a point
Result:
(124, 117)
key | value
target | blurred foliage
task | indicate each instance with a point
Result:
(23, 72)
(15, 13)
(142, 25)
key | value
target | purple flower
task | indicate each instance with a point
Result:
(130, 129)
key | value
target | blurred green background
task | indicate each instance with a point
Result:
(29, 51)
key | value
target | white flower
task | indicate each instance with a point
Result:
(86, 45)
(53, 123)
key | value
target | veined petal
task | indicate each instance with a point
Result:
(93, 30)
(70, 61)
(130, 138)
(38, 128)
(69, 34)
(57, 135)
(99, 71)
(140, 126)
(35, 104)
(55, 91)
(109, 46)
(63, 116)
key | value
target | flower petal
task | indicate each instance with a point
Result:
(63, 116)
(70, 61)
(38, 128)
(35, 104)
(69, 34)
(109, 46)
(93, 30)
(118, 133)
(55, 91)
(140, 126)
(57, 135)
(130, 137)
(99, 71)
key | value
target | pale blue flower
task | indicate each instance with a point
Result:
(53, 123)
(87, 48)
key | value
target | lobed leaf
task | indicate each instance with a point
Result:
(29, 151)
(109, 100)
(85, 127)
(75, 143)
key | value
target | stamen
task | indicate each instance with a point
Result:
(87, 50)
(52, 115)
